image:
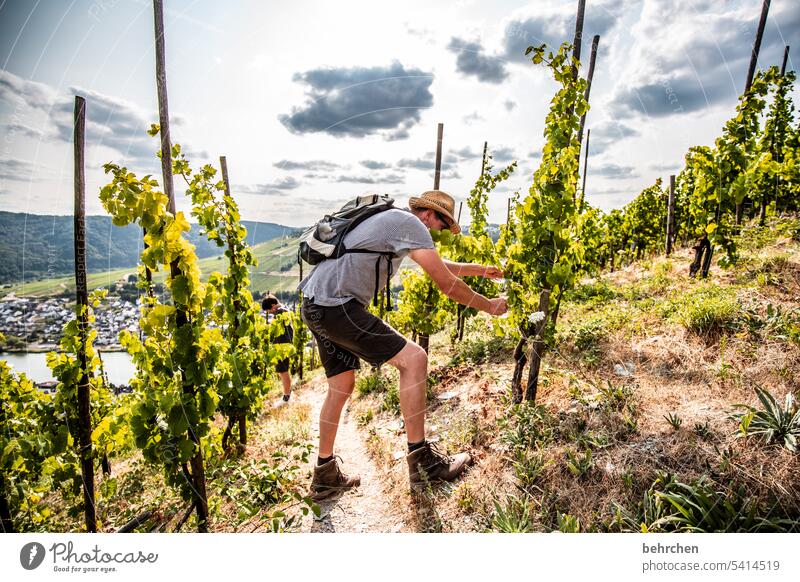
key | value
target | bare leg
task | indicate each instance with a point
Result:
(286, 379)
(412, 363)
(339, 389)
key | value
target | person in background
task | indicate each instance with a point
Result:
(271, 305)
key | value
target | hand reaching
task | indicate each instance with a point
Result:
(497, 306)
(492, 272)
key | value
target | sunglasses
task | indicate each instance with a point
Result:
(441, 218)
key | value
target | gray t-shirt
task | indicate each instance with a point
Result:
(352, 276)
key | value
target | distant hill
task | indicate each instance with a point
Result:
(42, 247)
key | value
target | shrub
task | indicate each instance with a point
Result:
(700, 506)
(391, 399)
(513, 516)
(483, 350)
(674, 420)
(268, 483)
(372, 383)
(773, 423)
(776, 322)
(527, 426)
(528, 468)
(579, 465)
(618, 398)
(594, 291)
(567, 523)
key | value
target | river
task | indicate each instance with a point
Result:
(118, 366)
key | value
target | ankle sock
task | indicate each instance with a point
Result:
(286, 397)
(414, 446)
(323, 460)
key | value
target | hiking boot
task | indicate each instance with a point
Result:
(428, 464)
(329, 480)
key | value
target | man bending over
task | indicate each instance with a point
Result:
(335, 295)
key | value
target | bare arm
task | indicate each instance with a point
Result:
(473, 270)
(452, 286)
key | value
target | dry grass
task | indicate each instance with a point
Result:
(697, 376)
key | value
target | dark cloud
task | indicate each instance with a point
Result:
(678, 92)
(556, 25)
(502, 154)
(375, 165)
(308, 165)
(397, 135)
(466, 153)
(34, 95)
(377, 179)
(613, 171)
(110, 121)
(16, 170)
(509, 104)
(357, 102)
(692, 72)
(472, 61)
(416, 163)
(277, 188)
(13, 129)
(428, 162)
(606, 133)
(287, 183)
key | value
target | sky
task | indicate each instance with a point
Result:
(316, 102)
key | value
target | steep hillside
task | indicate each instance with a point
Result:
(41, 246)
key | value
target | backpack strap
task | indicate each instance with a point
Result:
(388, 281)
(382, 254)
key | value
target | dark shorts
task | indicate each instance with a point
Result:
(282, 365)
(348, 332)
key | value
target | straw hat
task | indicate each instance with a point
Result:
(439, 201)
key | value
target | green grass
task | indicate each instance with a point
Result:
(709, 308)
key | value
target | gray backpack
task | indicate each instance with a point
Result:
(325, 239)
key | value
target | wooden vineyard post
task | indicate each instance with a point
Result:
(537, 347)
(750, 74)
(777, 155)
(785, 58)
(233, 329)
(424, 338)
(438, 172)
(585, 168)
(757, 45)
(460, 207)
(589, 76)
(82, 308)
(576, 43)
(671, 214)
(197, 475)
